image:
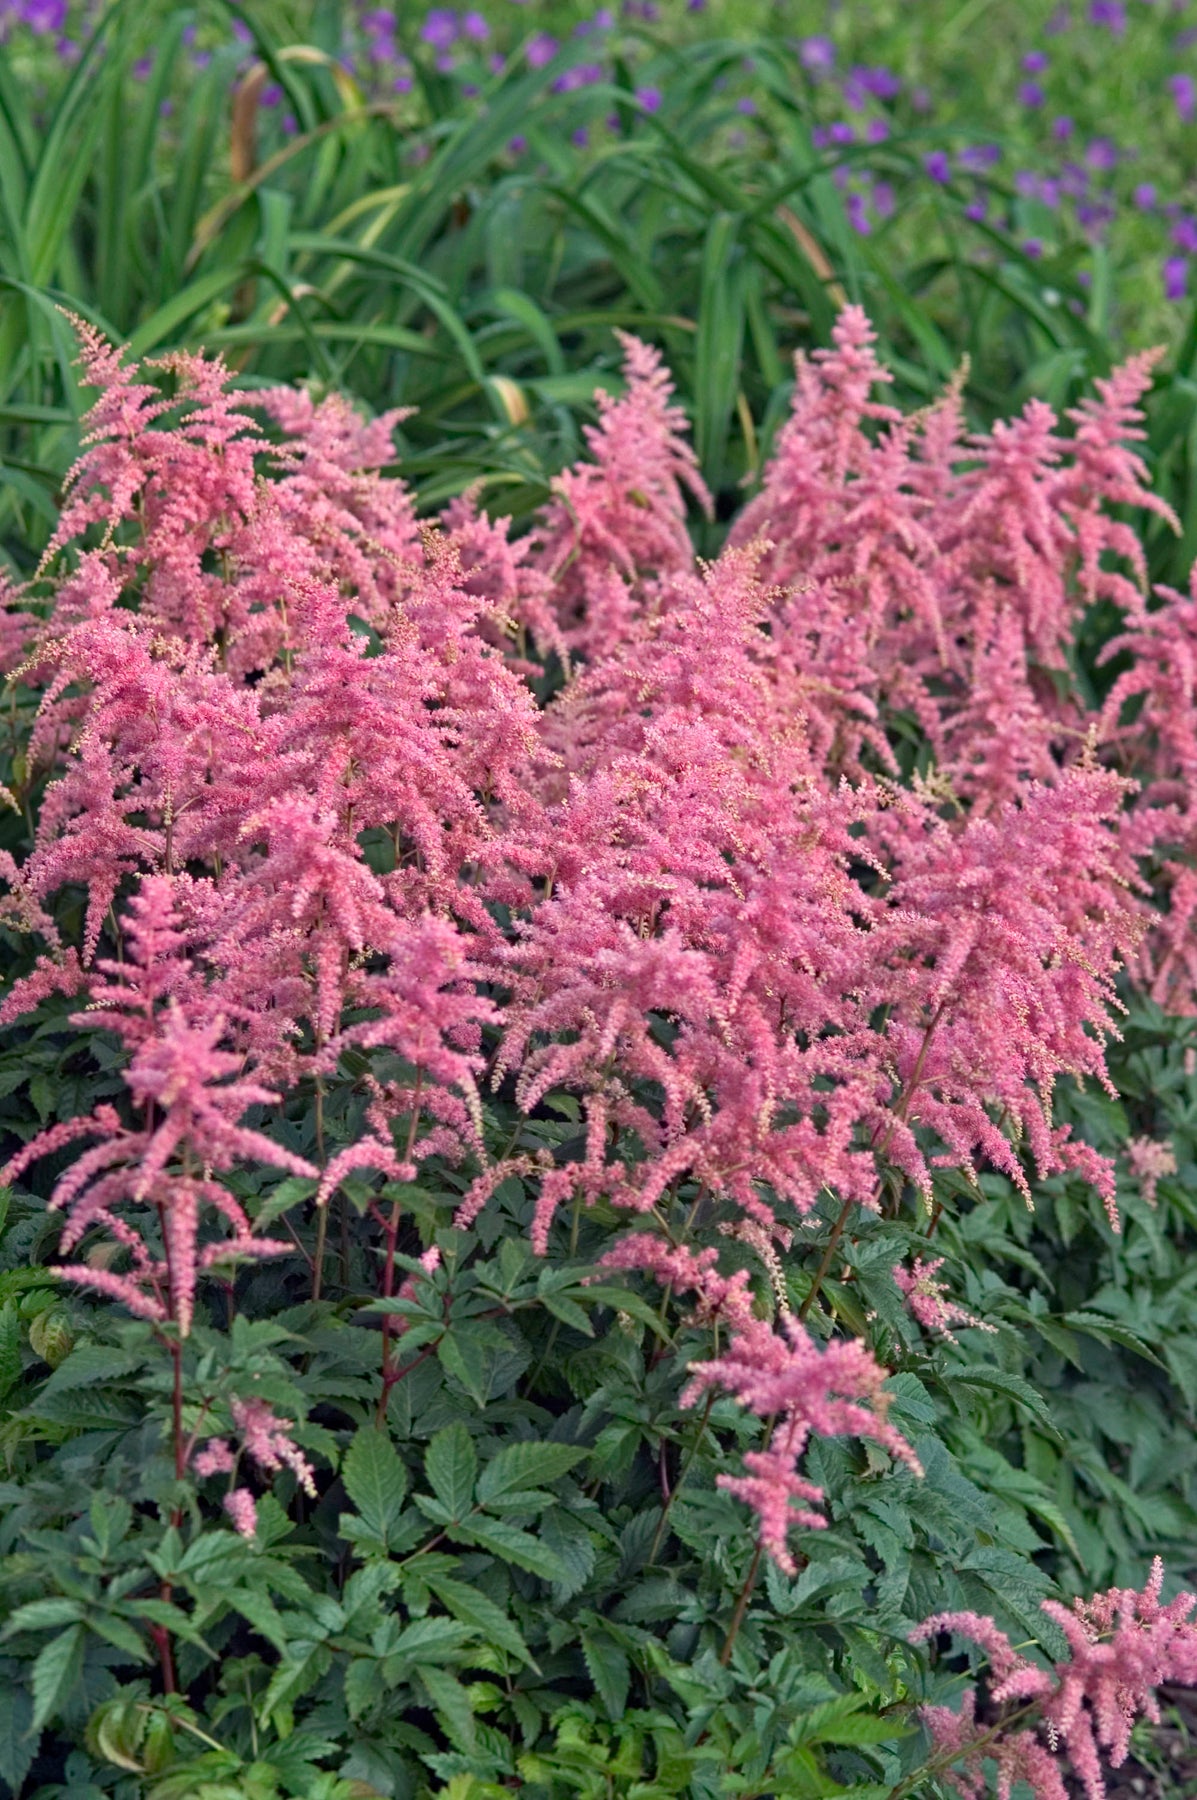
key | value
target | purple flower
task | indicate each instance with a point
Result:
(1184, 94)
(937, 165)
(882, 83)
(1176, 277)
(1184, 234)
(920, 99)
(475, 27)
(44, 15)
(241, 32)
(1032, 247)
(746, 104)
(1085, 277)
(1049, 192)
(976, 209)
(446, 62)
(517, 145)
(840, 132)
(876, 131)
(378, 23)
(143, 68)
(581, 75)
(977, 157)
(858, 216)
(470, 90)
(1073, 180)
(817, 55)
(440, 28)
(271, 94)
(541, 50)
(1026, 183)
(1102, 153)
(497, 62)
(581, 137)
(1030, 94)
(649, 98)
(883, 199)
(1035, 61)
(1095, 215)
(1062, 128)
(1144, 196)
(402, 84)
(1110, 13)
(856, 97)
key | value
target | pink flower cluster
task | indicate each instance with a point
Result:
(292, 755)
(266, 1441)
(925, 1298)
(783, 1377)
(1122, 1646)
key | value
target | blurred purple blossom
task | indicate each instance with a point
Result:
(649, 98)
(1026, 183)
(581, 75)
(1032, 247)
(1176, 277)
(817, 55)
(1062, 128)
(440, 28)
(876, 131)
(475, 27)
(1110, 13)
(44, 15)
(1144, 196)
(1035, 61)
(937, 165)
(977, 157)
(1102, 153)
(976, 209)
(1030, 94)
(1184, 94)
(883, 199)
(858, 216)
(541, 50)
(1184, 233)
(745, 104)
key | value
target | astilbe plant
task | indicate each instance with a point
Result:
(328, 838)
(1122, 1646)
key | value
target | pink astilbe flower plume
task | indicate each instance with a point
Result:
(618, 523)
(925, 1297)
(1122, 1646)
(177, 1076)
(783, 1376)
